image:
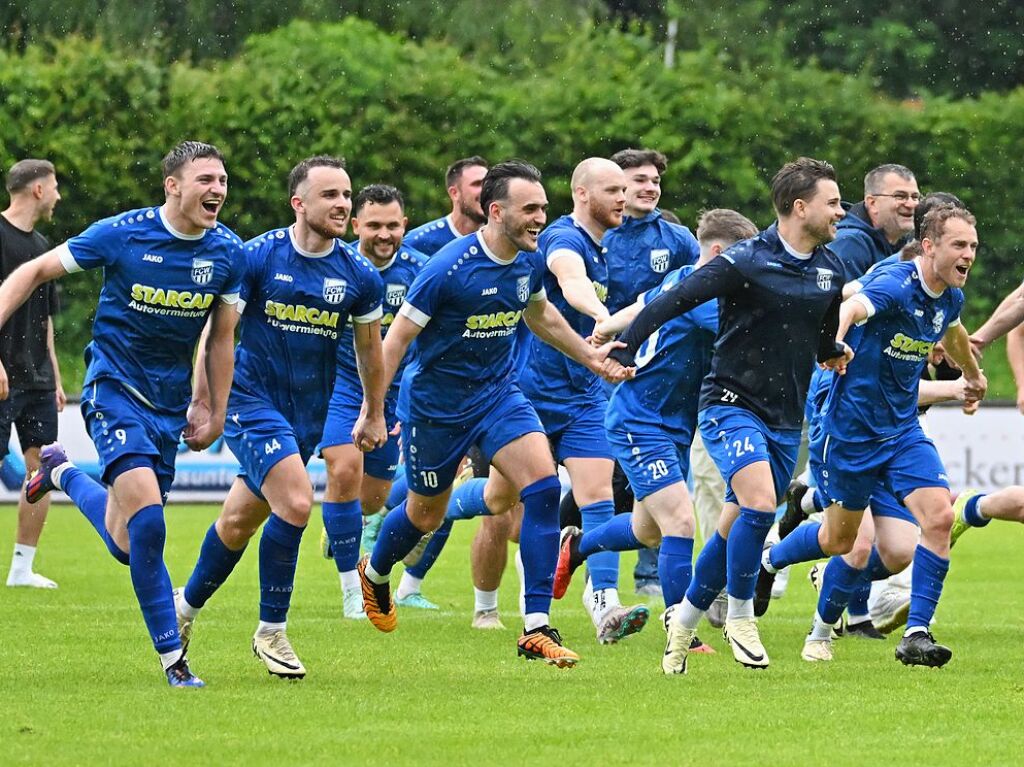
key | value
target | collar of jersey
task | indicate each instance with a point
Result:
(386, 266)
(174, 232)
(491, 255)
(580, 226)
(924, 285)
(306, 253)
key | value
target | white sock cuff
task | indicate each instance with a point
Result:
(484, 601)
(536, 620)
(270, 628)
(349, 579)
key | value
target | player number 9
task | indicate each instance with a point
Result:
(121, 436)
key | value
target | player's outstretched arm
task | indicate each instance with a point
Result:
(215, 367)
(16, 289)
(605, 330)
(957, 343)
(577, 287)
(548, 324)
(1008, 315)
(370, 430)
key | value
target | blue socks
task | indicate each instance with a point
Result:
(467, 500)
(743, 554)
(538, 542)
(344, 525)
(614, 535)
(215, 563)
(399, 491)
(801, 545)
(709, 573)
(675, 566)
(925, 587)
(398, 536)
(603, 566)
(147, 534)
(876, 569)
(279, 553)
(838, 583)
(971, 515)
(432, 551)
(91, 499)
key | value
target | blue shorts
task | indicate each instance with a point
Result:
(849, 473)
(260, 438)
(649, 457)
(121, 426)
(433, 451)
(577, 430)
(735, 438)
(342, 414)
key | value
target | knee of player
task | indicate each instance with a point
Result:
(897, 556)
(343, 474)
(860, 553)
(499, 503)
(839, 541)
(295, 506)
(937, 521)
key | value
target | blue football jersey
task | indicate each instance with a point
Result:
(159, 286)
(397, 277)
(553, 377)
(670, 364)
(877, 398)
(295, 305)
(640, 252)
(469, 304)
(432, 236)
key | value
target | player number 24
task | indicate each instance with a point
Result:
(742, 447)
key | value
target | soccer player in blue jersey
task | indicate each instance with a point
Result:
(166, 270)
(460, 388)
(300, 286)
(570, 399)
(779, 294)
(463, 179)
(651, 420)
(900, 314)
(358, 483)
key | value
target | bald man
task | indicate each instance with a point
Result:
(570, 399)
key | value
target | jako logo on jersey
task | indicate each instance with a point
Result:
(299, 313)
(394, 294)
(905, 346)
(659, 260)
(281, 277)
(334, 290)
(490, 292)
(523, 289)
(174, 299)
(494, 320)
(153, 259)
(824, 278)
(202, 271)
(937, 320)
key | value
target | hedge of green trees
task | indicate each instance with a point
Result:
(399, 111)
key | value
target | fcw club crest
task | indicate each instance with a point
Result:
(824, 279)
(202, 271)
(523, 289)
(394, 294)
(937, 320)
(659, 260)
(334, 290)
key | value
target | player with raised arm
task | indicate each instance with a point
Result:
(460, 388)
(300, 286)
(752, 401)
(166, 271)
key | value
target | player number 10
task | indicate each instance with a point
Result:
(429, 478)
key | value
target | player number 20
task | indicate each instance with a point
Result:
(658, 469)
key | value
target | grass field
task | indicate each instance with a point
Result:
(79, 683)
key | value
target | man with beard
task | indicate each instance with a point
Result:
(168, 271)
(570, 399)
(460, 388)
(300, 286)
(463, 180)
(30, 387)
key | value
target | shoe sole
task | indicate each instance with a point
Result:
(937, 659)
(895, 621)
(743, 653)
(279, 674)
(633, 623)
(556, 662)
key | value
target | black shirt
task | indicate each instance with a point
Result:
(776, 313)
(23, 348)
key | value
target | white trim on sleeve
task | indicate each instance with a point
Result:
(864, 301)
(232, 298)
(410, 312)
(366, 319)
(67, 258)
(954, 323)
(540, 295)
(560, 252)
(240, 305)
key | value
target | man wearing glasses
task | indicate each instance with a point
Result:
(881, 223)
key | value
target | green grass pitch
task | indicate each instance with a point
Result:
(79, 683)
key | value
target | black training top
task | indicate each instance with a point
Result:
(23, 348)
(777, 312)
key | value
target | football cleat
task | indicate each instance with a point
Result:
(794, 513)
(619, 622)
(648, 589)
(277, 655)
(413, 557)
(701, 648)
(921, 649)
(377, 600)
(745, 640)
(41, 482)
(817, 650)
(890, 609)
(325, 544)
(960, 524)
(763, 588)
(545, 643)
(864, 629)
(29, 579)
(371, 531)
(180, 675)
(185, 625)
(352, 604)
(815, 575)
(677, 647)
(417, 601)
(487, 620)
(781, 583)
(568, 560)
(716, 614)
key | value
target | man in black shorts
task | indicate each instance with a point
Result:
(30, 386)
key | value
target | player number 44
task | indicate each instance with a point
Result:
(271, 447)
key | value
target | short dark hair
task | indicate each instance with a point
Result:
(299, 173)
(798, 180)
(454, 172)
(634, 158)
(495, 186)
(378, 194)
(24, 172)
(186, 152)
(724, 225)
(934, 224)
(874, 176)
(670, 216)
